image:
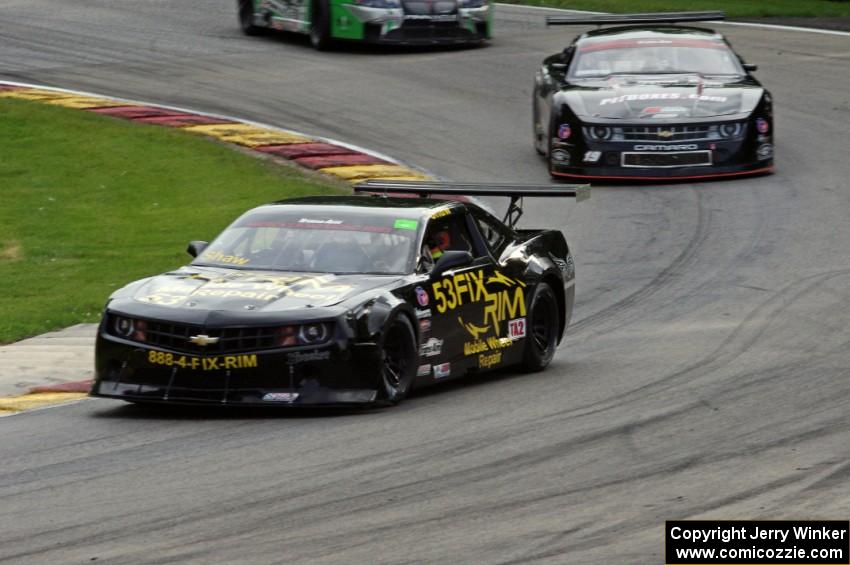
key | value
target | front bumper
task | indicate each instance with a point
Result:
(658, 160)
(333, 374)
(393, 26)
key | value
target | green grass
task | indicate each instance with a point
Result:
(90, 203)
(733, 8)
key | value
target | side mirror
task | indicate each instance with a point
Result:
(196, 248)
(450, 259)
(749, 67)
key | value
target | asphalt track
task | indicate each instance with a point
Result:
(706, 374)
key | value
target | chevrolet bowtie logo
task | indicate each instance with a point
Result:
(203, 340)
(665, 133)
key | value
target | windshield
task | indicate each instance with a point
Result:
(655, 56)
(349, 242)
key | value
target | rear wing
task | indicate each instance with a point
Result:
(516, 192)
(645, 18)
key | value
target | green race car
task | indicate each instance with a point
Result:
(401, 22)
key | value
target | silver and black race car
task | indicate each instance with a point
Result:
(652, 100)
(396, 22)
(343, 300)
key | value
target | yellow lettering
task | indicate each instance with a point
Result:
(473, 347)
(248, 361)
(450, 289)
(461, 287)
(479, 290)
(517, 307)
(439, 297)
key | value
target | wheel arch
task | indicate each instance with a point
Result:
(557, 286)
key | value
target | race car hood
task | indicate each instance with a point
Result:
(214, 289)
(662, 97)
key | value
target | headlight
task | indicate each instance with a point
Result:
(308, 334)
(313, 334)
(384, 4)
(598, 133)
(130, 328)
(730, 130)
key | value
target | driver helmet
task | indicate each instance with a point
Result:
(439, 242)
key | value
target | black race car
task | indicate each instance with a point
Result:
(651, 100)
(342, 300)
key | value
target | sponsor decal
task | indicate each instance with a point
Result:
(567, 266)
(490, 359)
(431, 348)
(254, 287)
(592, 156)
(765, 151)
(424, 326)
(441, 213)
(219, 257)
(676, 147)
(223, 362)
(516, 328)
(423, 370)
(280, 396)
(471, 288)
(203, 340)
(667, 110)
(489, 344)
(327, 222)
(762, 126)
(442, 371)
(564, 131)
(306, 356)
(402, 224)
(317, 226)
(421, 296)
(661, 96)
(420, 314)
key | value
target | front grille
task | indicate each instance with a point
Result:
(661, 160)
(698, 132)
(429, 7)
(175, 336)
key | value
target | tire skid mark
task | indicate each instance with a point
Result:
(747, 333)
(667, 276)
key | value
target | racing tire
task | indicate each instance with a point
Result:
(534, 124)
(542, 326)
(399, 355)
(320, 31)
(246, 17)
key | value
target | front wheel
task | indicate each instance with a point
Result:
(246, 17)
(320, 30)
(398, 360)
(543, 324)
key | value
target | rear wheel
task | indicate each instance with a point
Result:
(246, 17)
(398, 360)
(542, 327)
(320, 30)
